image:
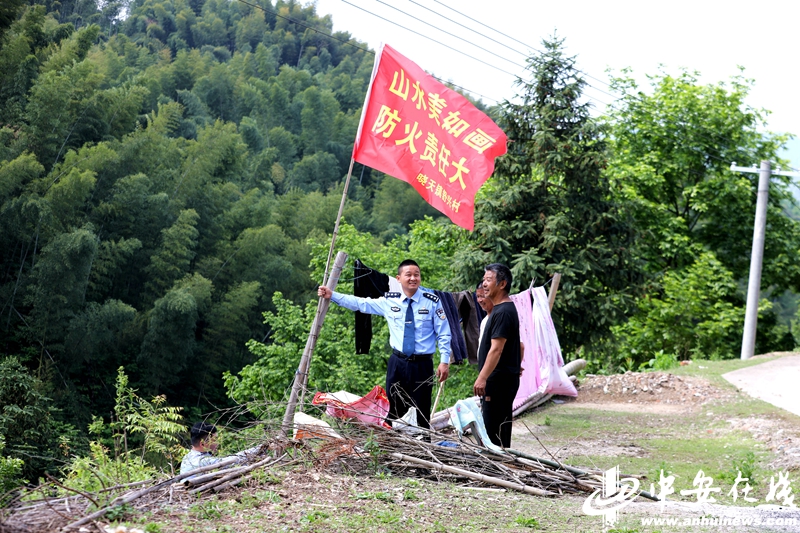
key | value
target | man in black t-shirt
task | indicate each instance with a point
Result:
(499, 358)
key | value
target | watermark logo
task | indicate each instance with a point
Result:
(616, 494)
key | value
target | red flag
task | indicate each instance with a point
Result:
(416, 129)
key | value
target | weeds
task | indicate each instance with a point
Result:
(269, 496)
(382, 496)
(744, 467)
(209, 510)
(119, 512)
(314, 516)
(527, 522)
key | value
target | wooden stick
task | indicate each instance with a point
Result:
(472, 475)
(436, 401)
(229, 484)
(236, 474)
(196, 480)
(531, 402)
(135, 495)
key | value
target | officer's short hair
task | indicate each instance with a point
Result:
(200, 431)
(407, 262)
(502, 273)
(479, 286)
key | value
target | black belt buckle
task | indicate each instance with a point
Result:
(412, 357)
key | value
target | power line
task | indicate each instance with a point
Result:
(430, 38)
(448, 33)
(331, 36)
(299, 23)
(613, 106)
(532, 48)
(470, 29)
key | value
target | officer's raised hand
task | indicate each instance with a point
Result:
(324, 292)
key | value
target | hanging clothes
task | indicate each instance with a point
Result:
(554, 379)
(457, 344)
(531, 378)
(368, 283)
(543, 357)
(466, 302)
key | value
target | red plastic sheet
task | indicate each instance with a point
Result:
(370, 409)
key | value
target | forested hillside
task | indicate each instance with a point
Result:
(160, 175)
(170, 173)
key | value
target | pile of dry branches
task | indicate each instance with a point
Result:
(359, 450)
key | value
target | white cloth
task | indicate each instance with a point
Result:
(195, 459)
(480, 335)
(464, 413)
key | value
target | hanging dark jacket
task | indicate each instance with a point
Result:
(368, 283)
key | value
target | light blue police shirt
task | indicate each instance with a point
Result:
(430, 321)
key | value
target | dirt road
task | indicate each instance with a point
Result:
(776, 382)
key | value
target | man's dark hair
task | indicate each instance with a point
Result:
(200, 431)
(479, 286)
(502, 273)
(407, 262)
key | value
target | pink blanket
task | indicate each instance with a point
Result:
(543, 364)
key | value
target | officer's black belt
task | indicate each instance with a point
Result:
(413, 357)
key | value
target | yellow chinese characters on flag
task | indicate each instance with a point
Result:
(416, 129)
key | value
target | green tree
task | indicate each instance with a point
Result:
(316, 172)
(26, 422)
(170, 343)
(396, 205)
(174, 256)
(672, 150)
(672, 153)
(552, 209)
(61, 277)
(694, 316)
(317, 119)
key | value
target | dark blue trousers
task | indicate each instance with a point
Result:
(409, 383)
(497, 406)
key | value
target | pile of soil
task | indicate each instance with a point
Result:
(647, 388)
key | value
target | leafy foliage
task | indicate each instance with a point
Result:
(145, 441)
(694, 316)
(554, 210)
(672, 153)
(10, 470)
(162, 164)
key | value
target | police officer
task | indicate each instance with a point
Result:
(416, 323)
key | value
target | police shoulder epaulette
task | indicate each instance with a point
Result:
(430, 296)
(391, 295)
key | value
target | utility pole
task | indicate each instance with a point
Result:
(757, 253)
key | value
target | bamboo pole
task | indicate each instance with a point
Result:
(305, 360)
(304, 372)
(532, 401)
(473, 475)
(551, 298)
(197, 480)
